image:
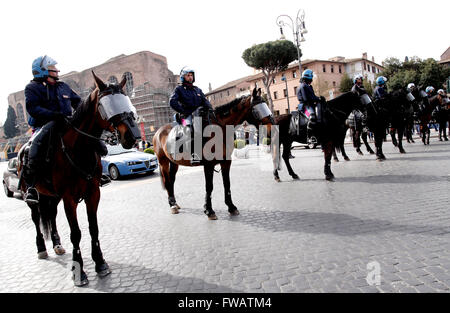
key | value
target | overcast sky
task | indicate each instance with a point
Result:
(208, 36)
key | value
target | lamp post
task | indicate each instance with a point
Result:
(298, 30)
(283, 78)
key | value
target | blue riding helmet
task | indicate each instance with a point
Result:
(429, 89)
(185, 70)
(40, 66)
(381, 80)
(308, 74)
(358, 76)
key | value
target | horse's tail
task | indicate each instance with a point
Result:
(45, 220)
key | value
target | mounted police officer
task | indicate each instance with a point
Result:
(185, 99)
(359, 116)
(48, 102)
(430, 91)
(442, 114)
(412, 95)
(308, 103)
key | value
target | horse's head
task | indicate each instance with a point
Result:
(116, 111)
(258, 113)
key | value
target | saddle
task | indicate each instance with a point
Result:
(180, 136)
(298, 121)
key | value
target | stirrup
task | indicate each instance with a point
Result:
(195, 159)
(104, 180)
(312, 140)
(32, 196)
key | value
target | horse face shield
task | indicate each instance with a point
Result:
(410, 97)
(117, 109)
(261, 111)
(365, 99)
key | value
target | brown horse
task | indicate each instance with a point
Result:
(75, 171)
(231, 114)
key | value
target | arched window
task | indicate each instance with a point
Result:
(19, 112)
(129, 85)
(113, 80)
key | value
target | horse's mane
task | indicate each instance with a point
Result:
(342, 99)
(228, 107)
(80, 111)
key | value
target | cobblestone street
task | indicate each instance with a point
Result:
(308, 235)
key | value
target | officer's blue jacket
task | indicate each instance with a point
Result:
(44, 100)
(186, 99)
(305, 94)
(379, 93)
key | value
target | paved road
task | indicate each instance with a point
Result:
(295, 236)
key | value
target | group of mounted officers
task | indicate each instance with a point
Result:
(50, 101)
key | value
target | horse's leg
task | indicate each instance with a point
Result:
(357, 140)
(335, 157)
(428, 135)
(394, 140)
(40, 242)
(400, 131)
(53, 209)
(275, 171)
(101, 267)
(327, 153)
(208, 170)
(366, 143)
(225, 167)
(286, 153)
(78, 275)
(173, 169)
(165, 170)
(379, 138)
(344, 154)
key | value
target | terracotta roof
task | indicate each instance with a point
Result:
(231, 84)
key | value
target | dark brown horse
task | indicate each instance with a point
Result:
(224, 117)
(334, 114)
(75, 171)
(425, 116)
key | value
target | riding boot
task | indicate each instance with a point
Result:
(195, 158)
(32, 195)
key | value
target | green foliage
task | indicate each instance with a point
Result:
(149, 150)
(368, 86)
(239, 143)
(10, 124)
(266, 141)
(272, 56)
(346, 83)
(420, 72)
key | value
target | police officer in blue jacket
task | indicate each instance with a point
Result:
(380, 92)
(308, 103)
(185, 99)
(48, 102)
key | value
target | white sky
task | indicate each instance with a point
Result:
(209, 36)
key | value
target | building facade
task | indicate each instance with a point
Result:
(327, 78)
(149, 85)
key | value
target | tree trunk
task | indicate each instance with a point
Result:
(267, 80)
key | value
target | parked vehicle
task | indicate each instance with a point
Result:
(10, 178)
(122, 162)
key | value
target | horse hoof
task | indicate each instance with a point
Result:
(295, 177)
(347, 159)
(81, 281)
(42, 255)
(329, 177)
(277, 179)
(371, 152)
(175, 209)
(402, 151)
(59, 250)
(234, 212)
(103, 270)
(212, 217)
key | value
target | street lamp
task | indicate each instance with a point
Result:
(283, 78)
(298, 30)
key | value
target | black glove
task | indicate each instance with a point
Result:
(59, 117)
(322, 99)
